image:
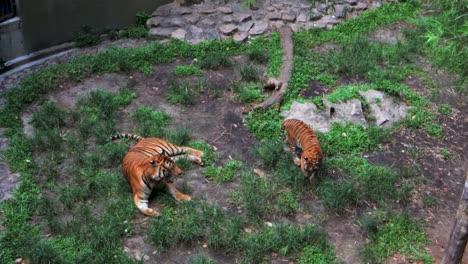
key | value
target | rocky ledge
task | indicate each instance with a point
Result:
(209, 20)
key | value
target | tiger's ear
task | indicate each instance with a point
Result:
(163, 152)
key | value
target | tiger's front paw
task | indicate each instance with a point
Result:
(183, 197)
(151, 212)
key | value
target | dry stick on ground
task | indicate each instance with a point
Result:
(286, 69)
(459, 235)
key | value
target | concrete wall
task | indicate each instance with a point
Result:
(11, 39)
(45, 23)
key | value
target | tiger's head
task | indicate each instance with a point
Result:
(310, 162)
(159, 167)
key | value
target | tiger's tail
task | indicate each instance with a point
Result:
(132, 136)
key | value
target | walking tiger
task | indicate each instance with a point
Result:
(300, 135)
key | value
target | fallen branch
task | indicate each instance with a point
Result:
(286, 69)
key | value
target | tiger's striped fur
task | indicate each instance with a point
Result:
(152, 146)
(144, 175)
(148, 165)
(300, 135)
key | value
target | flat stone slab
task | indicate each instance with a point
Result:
(162, 32)
(240, 36)
(259, 28)
(228, 29)
(241, 17)
(179, 34)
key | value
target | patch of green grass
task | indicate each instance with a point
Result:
(249, 73)
(179, 137)
(249, 93)
(288, 202)
(182, 93)
(360, 181)
(264, 124)
(152, 123)
(326, 79)
(351, 138)
(47, 123)
(200, 259)
(98, 112)
(317, 255)
(387, 240)
(210, 157)
(219, 175)
(283, 239)
(444, 109)
(446, 154)
(187, 70)
(215, 60)
(258, 54)
(276, 56)
(428, 199)
(137, 31)
(338, 193)
(269, 152)
(446, 36)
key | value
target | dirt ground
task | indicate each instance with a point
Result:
(219, 121)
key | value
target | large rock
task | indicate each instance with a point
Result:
(348, 112)
(386, 109)
(228, 29)
(307, 112)
(192, 18)
(179, 34)
(259, 28)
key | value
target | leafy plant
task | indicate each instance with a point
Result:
(87, 37)
(249, 73)
(249, 93)
(187, 70)
(223, 174)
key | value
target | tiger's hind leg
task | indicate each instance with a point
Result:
(176, 193)
(191, 154)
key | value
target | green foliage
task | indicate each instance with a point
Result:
(152, 123)
(141, 18)
(269, 152)
(210, 156)
(219, 175)
(182, 93)
(179, 137)
(187, 70)
(387, 240)
(215, 60)
(446, 154)
(283, 239)
(138, 31)
(317, 255)
(87, 37)
(264, 124)
(195, 221)
(249, 73)
(351, 138)
(258, 54)
(98, 112)
(249, 93)
(47, 123)
(446, 34)
(360, 181)
(200, 259)
(444, 109)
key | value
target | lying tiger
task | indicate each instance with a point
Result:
(301, 136)
(149, 164)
